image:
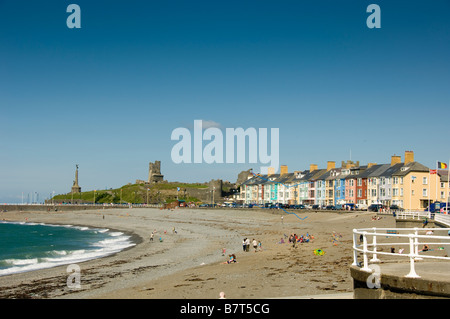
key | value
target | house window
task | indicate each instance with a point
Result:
(395, 180)
(359, 181)
(424, 192)
(395, 192)
(401, 191)
(401, 180)
(442, 194)
(359, 192)
(424, 180)
(442, 185)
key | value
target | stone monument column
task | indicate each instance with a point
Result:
(76, 188)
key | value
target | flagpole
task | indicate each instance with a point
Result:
(437, 198)
(410, 192)
(448, 184)
(429, 192)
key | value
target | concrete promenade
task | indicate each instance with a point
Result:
(434, 281)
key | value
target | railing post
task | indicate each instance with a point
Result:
(374, 242)
(416, 244)
(412, 271)
(355, 255)
(365, 259)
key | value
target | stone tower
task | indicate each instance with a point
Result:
(154, 172)
(76, 188)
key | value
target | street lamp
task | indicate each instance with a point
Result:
(94, 196)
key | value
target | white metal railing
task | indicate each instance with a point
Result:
(413, 215)
(412, 238)
(442, 218)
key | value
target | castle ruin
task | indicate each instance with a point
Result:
(154, 173)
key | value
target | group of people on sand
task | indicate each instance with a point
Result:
(294, 239)
(152, 235)
(257, 246)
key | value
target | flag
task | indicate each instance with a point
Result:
(433, 171)
(442, 165)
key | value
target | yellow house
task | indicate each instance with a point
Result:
(414, 187)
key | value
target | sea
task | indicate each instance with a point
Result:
(26, 246)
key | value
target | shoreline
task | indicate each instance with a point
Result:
(189, 264)
(133, 238)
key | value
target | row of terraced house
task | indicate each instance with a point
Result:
(407, 184)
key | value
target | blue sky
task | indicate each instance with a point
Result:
(107, 96)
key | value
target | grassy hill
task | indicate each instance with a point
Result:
(134, 193)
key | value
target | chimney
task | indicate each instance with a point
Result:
(369, 165)
(330, 165)
(409, 157)
(395, 159)
(283, 170)
(313, 167)
(270, 171)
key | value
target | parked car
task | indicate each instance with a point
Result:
(315, 207)
(375, 207)
(361, 206)
(330, 207)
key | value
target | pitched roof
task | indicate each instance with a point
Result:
(411, 167)
(317, 174)
(443, 173)
(391, 170)
(380, 170)
(356, 172)
(370, 170)
(332, 175)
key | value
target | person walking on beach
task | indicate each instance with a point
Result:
(244, 244)
(151, 236)
(255, 244)
(247, 244)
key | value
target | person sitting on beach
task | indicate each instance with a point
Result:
(281, 241)
(231, 260)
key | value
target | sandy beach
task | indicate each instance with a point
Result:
(189, 263)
